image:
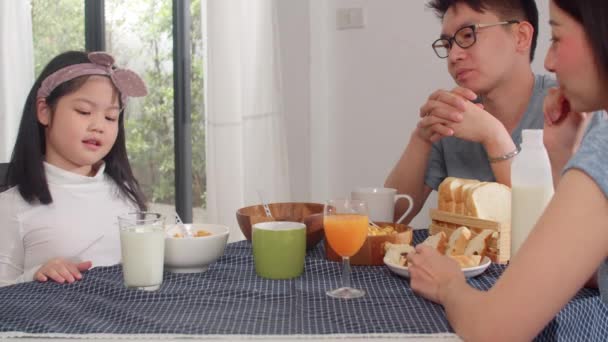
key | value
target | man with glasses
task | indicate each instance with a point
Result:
(465, 37)
(474, 130)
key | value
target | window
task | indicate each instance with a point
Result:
(57, 26)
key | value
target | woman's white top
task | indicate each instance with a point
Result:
(80, 224)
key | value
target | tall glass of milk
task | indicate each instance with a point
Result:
(142, 243)
(531, 186)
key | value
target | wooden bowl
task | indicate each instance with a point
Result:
(372, 251)
(311, 214)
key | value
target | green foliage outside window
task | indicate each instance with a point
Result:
(57, 26)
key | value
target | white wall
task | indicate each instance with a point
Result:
(360, 100)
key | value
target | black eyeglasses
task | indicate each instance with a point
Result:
(465, 37)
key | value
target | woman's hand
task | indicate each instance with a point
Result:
(555, 106)
(431, 273)
(564, 129)
(62, 270)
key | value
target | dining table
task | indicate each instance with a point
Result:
(230, 302)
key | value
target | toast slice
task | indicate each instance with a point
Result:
(460, 207)
(466, 193)
(449, 193)
(446, 191)
(458, 241)
(438, 242)
(397, 253)
(490, 201)
(479, 244)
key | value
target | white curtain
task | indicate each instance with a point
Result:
(16, 69)
(246, 142)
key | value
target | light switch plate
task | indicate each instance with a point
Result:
(350, 18)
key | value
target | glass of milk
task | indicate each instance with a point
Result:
(142, 243)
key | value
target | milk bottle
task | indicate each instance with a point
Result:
(531, 186)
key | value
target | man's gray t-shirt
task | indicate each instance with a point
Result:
(456, 157)
(592, 158)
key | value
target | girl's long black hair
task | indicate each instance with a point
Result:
(26, 168)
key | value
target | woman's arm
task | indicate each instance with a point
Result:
(565, 248)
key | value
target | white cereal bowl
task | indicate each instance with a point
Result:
(194, 254)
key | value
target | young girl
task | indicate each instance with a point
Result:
(570, 240)
(69, 172)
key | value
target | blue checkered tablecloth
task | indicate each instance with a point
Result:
(229, 299)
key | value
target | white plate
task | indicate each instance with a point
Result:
(468, 272)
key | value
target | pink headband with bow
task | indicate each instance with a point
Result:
(126, 81)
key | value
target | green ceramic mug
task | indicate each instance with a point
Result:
(279, 249)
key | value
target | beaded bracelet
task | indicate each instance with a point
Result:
(504, 156)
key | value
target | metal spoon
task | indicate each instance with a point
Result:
(182, 226)
(266, 208)
(373, 224)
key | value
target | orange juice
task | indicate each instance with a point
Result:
(346, 233)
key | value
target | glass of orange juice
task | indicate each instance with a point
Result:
(345, 223)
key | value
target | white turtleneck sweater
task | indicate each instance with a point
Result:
(81, 224)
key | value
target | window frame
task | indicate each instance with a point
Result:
(94, 23)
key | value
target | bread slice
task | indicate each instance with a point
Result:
(460, 197)
(449, 192)
(466, 261)
(479, 244)
(395, 252)
(446, 190)
(466, 193)
(403, 260)
(458, 241)
(437, 241)
(490, 201)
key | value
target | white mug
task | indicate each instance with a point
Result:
(381, 203)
